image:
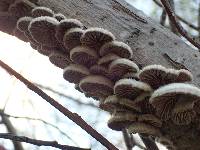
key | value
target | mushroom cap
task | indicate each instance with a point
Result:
(131, 75)
(120, 120)
(46, 50)
(23, 23)
(19, 34)
(119, 48)
(96, 37)
(31, 39)
(150, 119)
(107, 59)
(183, 112)
(84, 56)
(72, 37)
(100, 70)
(42, 11)
(59, 59)
(59, 16)
(138, 127)
(164, 140)
(42, 30)
(74, 73)
(64, 26)
(96, 85)
(108, 104)
(21, 8)
(157, 75)
(121, 66)
(130, 88)
(164, 98)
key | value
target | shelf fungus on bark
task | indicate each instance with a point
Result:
(23, 23)
(131, 75)
(144, 128)
(121, 119)
(64, 26)
(130, 88)
(59, 16)
(107, 59)
(19, 34)
(75, 72)
(122, 66)
(72, 37)
(59, 59)
(150, 119)
(100, 70)
(96, 37)
(42, 30)
(46, 50)
(109, 103)
(165, 98)
(42, 11)
(97, 85)
(84, 56)
(21, 8)
(119, 48)
(157, 75)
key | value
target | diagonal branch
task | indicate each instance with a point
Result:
(178, 26)
(38, 142)
(72, 116)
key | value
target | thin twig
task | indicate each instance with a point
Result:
(172, 26)
(178, 26)
(127, 141)
(72, 116)
(39, 142)
(150, 145)
(163, 18)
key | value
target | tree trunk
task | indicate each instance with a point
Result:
(151, 44)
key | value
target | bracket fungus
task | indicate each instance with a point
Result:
(72, 37)
(59, 59)
(99, 70)
(96, 37)
(84, 56)
(23, 23)
(107, 59)
(74, 73)
(46, 50)
(64, 25)
(42, 30)
(119, 48)
(19, 34)
(131, 75)
(150, 119)
(157, 75)
(130, 88)
(42, 11)
(97, 85)
(165, 98)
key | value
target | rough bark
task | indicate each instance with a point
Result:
(151, 43)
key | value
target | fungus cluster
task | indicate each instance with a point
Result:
(101, 67)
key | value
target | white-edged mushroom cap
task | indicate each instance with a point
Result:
(131, 75)
(72, 37)
(107, 59)
(99, 70)
(59, 16)
(150, 119)
(97, 85)
(119, 48)
(144, 128)
(96, 37)
(130, 88)
(64, 26)
(46, 50)
(20, 34)
(74, 73)
(109, 103)
(121, 66)
(164, 140)
(164, 98)
(84, 56)
(59, 59)
(120, 120)
(42, 30)
(23, 23)
(42, 11)
(184, 76)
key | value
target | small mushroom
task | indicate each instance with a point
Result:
(74, 73)
(131, 75)
(19, 34)
(72, 38)
(23, 23)
(120, 120)
(64, 26)
(21, 8)
(119, 48)
(84, 56)
(184, 76)
(59, 59)
(143, 128)
(96, 85)
(42, 30)
(130, 88)
(165, 98)
(100, 70)
(46, 50)
(107, 59)
(59, 16)
(122, 66)
(183, 112)
(96, 37)
(42, 11)
(150, 119)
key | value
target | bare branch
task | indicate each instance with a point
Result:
(163, 18)
(38, 142)
(72, 116)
